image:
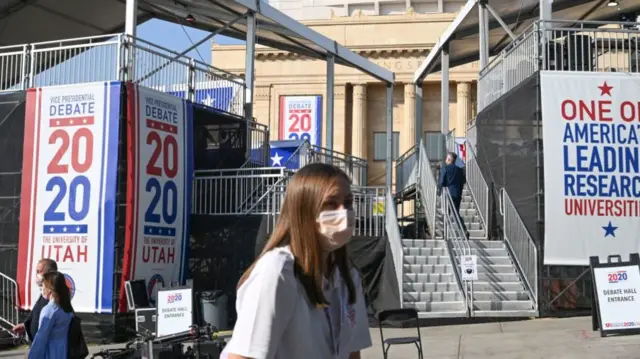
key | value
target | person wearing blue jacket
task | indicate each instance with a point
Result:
(453, 178)
(51, 339)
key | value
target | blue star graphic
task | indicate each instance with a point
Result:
(609, 230)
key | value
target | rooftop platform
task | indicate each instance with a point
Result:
(559, 45)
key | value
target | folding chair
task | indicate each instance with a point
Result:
(399, 315)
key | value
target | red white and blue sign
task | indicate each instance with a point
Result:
(301, 118)
(68, 197)
(286, 154)
(591, 133)
(160, 160)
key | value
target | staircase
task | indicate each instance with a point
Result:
(469, 213)
(430, 265)
(498, 292)
(429, 283)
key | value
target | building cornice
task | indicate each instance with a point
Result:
(368, 52)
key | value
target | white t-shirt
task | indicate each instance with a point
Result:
(276, 320)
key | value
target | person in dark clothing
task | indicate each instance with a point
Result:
(452, 177)
(30, 325)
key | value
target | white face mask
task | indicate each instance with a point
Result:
(336, 228)
(39, 278)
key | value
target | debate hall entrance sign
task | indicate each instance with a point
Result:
(591, 133)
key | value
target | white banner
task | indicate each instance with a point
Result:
(618, 296)
(591, 133)
(69, 191)
(301, 118)
(162, 161)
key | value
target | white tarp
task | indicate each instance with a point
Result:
(591, 133)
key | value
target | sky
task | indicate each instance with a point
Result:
(179, 38)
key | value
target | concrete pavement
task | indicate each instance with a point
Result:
(569, 338)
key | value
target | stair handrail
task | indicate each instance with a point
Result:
(303, 158)
(521, 245)
(478, 187)
(263, 181)
(458, 241)
(395, 241)
(428, 188)
(9, 315)
(406, 164)
(281, 182)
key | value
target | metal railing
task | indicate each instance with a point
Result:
(407, 169)
(428, 188)
(354, 167)
(258, 145)
(261, 201)
(516, 62)
(368, 204)
(457, 242)
(478, 187)
(450, 142)
(8, 302)
(521, 245)
(231, 191)
(395, 241)
(472, 133)
(561, 45)
(117, 57)
(369, 207)
(275, 199)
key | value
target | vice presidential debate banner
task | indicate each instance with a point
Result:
(69, 191)
(591, 129)
(301, 118)
(158, 188)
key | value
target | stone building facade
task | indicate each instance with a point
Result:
(396, 42)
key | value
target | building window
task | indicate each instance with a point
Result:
(380, 146)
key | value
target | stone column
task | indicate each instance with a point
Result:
(463, 110)
(359, 121)
(409, 127)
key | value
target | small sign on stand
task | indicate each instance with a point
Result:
(616, 299)
(174, 310)
(469, 267)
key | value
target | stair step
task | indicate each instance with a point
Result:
(463, 212)
(486, 244)
(501, 296)
(489, 305)
(496, 268)
(432, 296)
(473, 233)
(527, 313)
(483, 286)
(424, 243)
(430, 287)
(488, 261)
(485, 252)
(428, 268)
(427, 259)
(457, 306)
(449, 277)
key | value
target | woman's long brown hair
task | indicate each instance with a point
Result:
(297, 227)
(61, 294)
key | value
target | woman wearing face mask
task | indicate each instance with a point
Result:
(51, 339)
(301, 298)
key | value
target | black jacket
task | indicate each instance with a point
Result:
(33, 320)
(453, 178)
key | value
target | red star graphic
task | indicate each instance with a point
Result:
(605, 89)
